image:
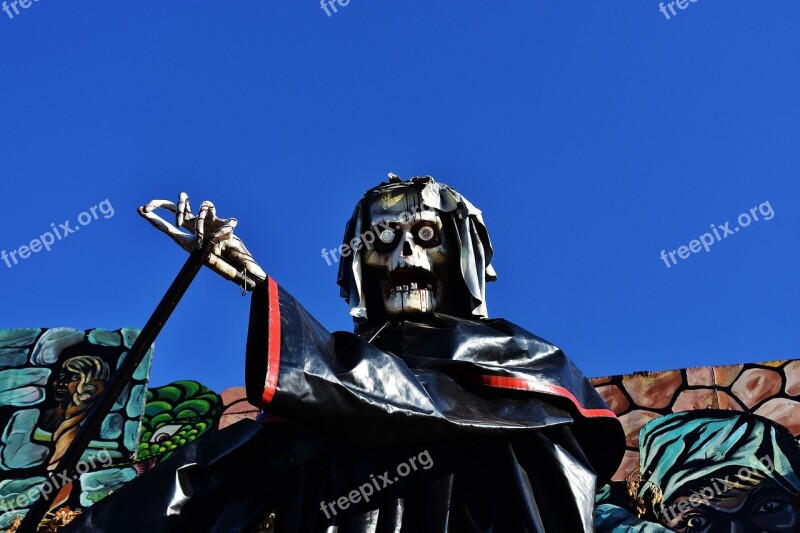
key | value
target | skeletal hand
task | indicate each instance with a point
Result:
(229, 256)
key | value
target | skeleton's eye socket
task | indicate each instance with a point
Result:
(387, 236)
(427, 235)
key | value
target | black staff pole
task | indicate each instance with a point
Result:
(117, 382)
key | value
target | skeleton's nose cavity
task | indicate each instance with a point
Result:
(407, 249)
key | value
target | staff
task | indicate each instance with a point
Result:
(200, 254)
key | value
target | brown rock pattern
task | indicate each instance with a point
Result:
(654, 391)
(633, 422)
(689, 400)
(756, 385)
(726, 401)
(234, 400)
(734, 387)
(792, 371)
(703, 375)
(725, 375)
(783, 411)
(235, 407)
(614, 397)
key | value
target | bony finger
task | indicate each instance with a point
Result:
(222, 267)
(183, 202)
(224, 231)
(157, 204)
(246, 262)
(201, 222)
(185, 241)
(212, 210)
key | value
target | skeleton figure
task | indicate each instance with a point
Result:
(513, 436)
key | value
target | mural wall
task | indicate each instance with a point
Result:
(49, 380)
(165, 418)
(708, 449)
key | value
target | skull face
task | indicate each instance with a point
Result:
(409, 256)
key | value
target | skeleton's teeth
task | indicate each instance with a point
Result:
(407, 298)
(411, 287)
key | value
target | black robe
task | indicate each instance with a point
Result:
(447, 425)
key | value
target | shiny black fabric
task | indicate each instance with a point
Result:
(514, 433)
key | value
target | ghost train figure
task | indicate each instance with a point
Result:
(514, 436)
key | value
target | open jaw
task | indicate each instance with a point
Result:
(409, 289)
(405, 279)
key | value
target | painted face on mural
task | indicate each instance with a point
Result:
(80, 380)
(764, 507)
(65, 385)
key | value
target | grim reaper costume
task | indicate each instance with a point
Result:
(430, 417)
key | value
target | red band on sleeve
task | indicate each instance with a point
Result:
(504, 382)
(274, 342)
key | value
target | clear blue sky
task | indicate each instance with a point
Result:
(592, 134)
